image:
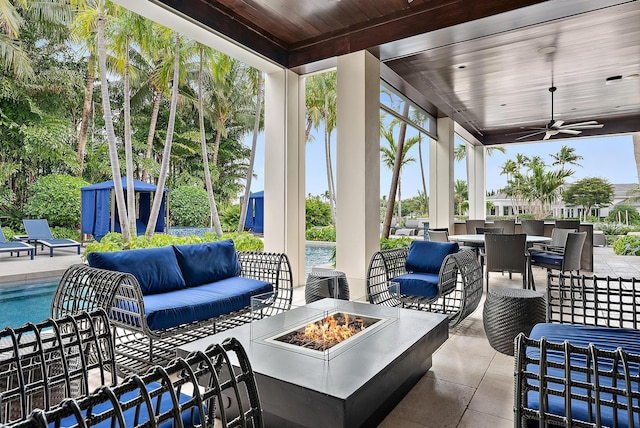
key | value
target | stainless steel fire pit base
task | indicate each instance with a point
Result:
(358, 387)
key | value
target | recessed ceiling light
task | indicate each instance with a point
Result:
(461, 66)
(612, 79)
(503, 105)
(547, 50)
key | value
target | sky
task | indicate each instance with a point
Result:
(610, 158)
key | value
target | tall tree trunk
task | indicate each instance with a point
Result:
(256, 128)
(111, 136)
(86, 111)
(128, 150)
(332, 190)
(636, 151)
(166, 154)
(213, 209)
(424, 181)
(216, 146)
(152, 129)
(386, 226)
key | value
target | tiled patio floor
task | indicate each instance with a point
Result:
(469, 385)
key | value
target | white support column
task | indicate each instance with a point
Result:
(477, 182)
(284, 158)
(358, 166)
(441, 176)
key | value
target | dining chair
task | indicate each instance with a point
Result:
(472, 225)
(533, 227)
(487, 230)
(568, 224)
(506, 253)
(438, 235)
(508, 226)
(558, 240)
(567, 260)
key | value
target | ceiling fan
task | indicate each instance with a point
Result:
(555, 127)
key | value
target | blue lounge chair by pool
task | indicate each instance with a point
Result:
(14, 246)
(38, 232)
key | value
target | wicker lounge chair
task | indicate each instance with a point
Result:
(15, 246)
(455, 288)
(38, 232)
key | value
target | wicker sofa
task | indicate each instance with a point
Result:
(582, 367)
(48, 371)
(433, 276)
(158, 298)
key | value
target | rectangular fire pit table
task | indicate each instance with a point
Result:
(357, 384)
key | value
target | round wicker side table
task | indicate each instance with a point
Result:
(321, 284)
(508, 312)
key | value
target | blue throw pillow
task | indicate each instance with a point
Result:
(427, 256)
(156, 269)
(207, 262)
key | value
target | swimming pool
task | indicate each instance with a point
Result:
(30, 303)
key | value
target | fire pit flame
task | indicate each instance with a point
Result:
(327, 332)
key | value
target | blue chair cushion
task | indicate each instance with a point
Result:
(129, 414)
(207, 262)
(546, 258)
(418, 284)
(200, 303)
(603, 338)
(427, 256)
(156, 269)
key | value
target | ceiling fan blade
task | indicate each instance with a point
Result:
(573, 125)
(531, 135)
(557, 124)
(599, 125)
(570, 131)
(547, 135)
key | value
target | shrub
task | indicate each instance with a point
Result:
(317, 212)
(229, 218)
(327, 234)
(625, 211)
(613, 228)
(66, 233)
(113, 241)
(389, 243)
(189, 206)
(57, 199)
(628, 245)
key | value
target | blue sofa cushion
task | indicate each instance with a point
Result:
(156, 269)
(603, 338)
(129, 414)
(427, 256)
(207, 262)
(200, 303)
(418, 284)
(544, 257)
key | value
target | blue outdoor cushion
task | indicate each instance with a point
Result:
(202, 302)
(544, 257)
(418, 284)
(603, 338)
(156, 269)
(190, 417)
(207, 262)
(427, 256)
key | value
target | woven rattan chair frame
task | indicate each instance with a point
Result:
(472, 225)
(208, 376)
(583, 300)
(506, 253)
(533, 227)
(42, 364)
(460, 287)
(508, 226)
(85, 288)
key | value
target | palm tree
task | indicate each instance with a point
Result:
(636, 151)
(12, 56)
(254, 141)
(461, 152)
(460, 195)
(166, 154)
(389, 157)
(566, 155)
(321, 99)
(102, 12)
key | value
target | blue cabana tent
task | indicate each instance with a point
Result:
(99, 213)
(255, 213)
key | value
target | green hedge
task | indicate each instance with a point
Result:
(628, 245)
(113, 242)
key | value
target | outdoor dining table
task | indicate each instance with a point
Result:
(478, 239)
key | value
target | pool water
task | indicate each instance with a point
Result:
(25, 303)
(315, 255)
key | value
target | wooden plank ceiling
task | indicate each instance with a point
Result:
(476, 61)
